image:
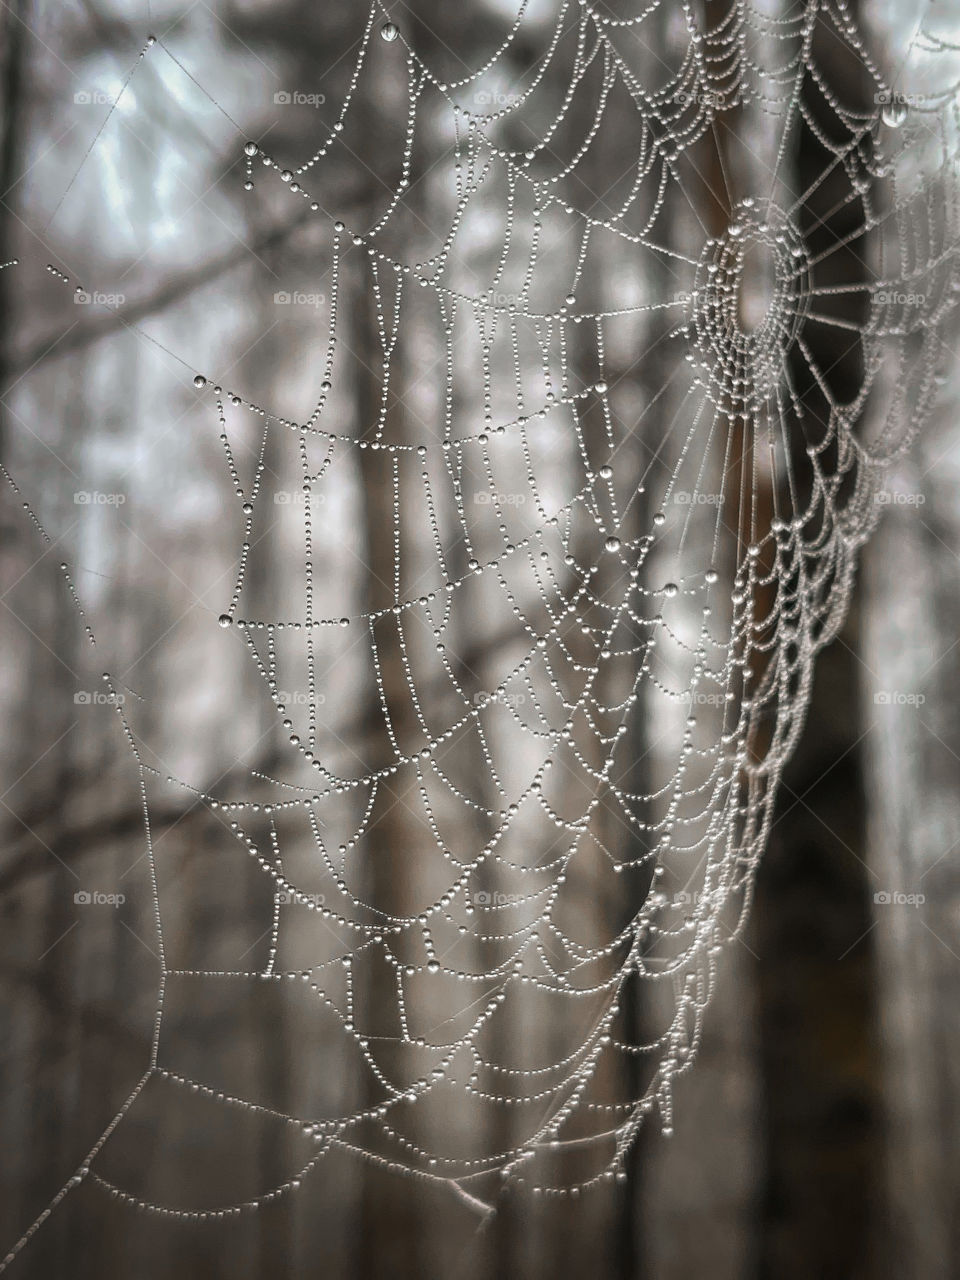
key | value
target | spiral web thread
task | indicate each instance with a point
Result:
(586, 692)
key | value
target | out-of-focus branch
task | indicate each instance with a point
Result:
(14, 18)
(172, 292)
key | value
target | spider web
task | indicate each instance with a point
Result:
(596, 589)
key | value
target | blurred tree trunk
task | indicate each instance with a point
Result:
(817, 1018)
(13, 20)
(699, 1202)
(910, 679)
(390, 1231)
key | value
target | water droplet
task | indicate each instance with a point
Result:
(250, 149)
(894, 113)
(612, 544)
(225, 620)
(389, 32)
(670, 590)
(199, 381)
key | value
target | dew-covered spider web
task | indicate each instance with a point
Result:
(639, 377)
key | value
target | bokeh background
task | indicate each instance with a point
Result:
(817, 1134)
